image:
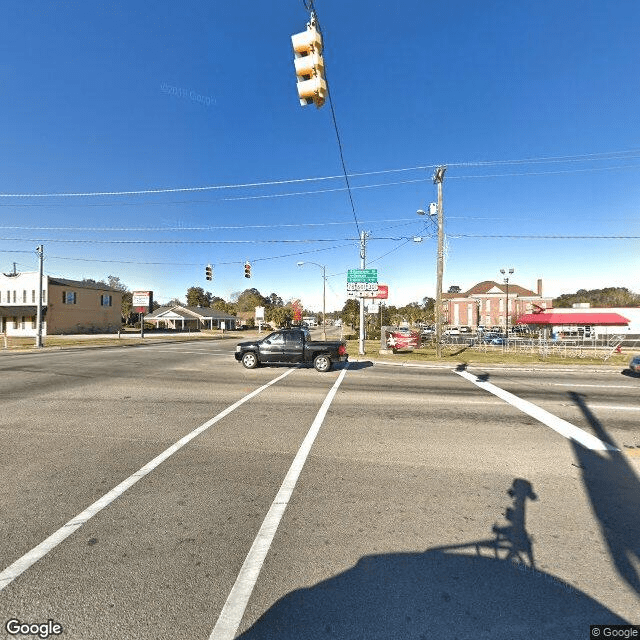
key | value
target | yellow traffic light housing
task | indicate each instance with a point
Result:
(247, 269)
(209, 272)
(312, 86)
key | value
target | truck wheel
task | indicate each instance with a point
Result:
(322, 363)
(249, 360)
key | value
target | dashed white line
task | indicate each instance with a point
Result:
(38, 552)
(234, 608)
(559, 425)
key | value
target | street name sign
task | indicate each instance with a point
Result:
(362, 275)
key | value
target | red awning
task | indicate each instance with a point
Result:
(573, 319)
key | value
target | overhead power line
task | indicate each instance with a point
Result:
(618, 155)
(205, 228)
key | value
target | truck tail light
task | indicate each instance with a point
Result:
(342, 349)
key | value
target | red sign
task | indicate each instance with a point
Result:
(383, 291)
(402, 339)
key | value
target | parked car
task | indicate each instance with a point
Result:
(498, 341)
(634, 365)
(402, 339)
(291, 346)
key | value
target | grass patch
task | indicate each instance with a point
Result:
(461, 354)
(127, 339)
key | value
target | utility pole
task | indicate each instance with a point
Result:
(40, 254)
(438, 179)
(363, 262)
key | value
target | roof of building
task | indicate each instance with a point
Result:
(574, 319)
(80, 284)
(488, 285)
(191, 313)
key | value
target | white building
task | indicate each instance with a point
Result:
(68, 306)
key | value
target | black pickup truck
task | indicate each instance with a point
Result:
(291, 346)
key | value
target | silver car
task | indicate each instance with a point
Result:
(634, 365)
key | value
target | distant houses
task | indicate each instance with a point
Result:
(179, 318)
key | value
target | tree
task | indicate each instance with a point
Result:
(248, 300)
(115, 283)
(607, 297)
(275, 300)
(127, 297)
(197, 297)
(279, 316)
(351, 313)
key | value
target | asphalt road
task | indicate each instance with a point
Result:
(430, 504)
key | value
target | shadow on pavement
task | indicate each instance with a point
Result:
(484, 589)
(614, 491)
(356, 366)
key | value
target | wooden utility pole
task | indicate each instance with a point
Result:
(438, 179)
(363, 264)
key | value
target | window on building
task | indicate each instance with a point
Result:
(15, 323)
(68, 297)
(23, 322)
(105, 300)
(44, 296)
(33, 296)
(24, 296)
(14, 298)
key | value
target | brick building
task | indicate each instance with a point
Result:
(68, 306)
(489, 304)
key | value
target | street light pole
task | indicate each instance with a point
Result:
(324, 296)
(506, 317)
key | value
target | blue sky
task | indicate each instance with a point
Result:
(533, 107)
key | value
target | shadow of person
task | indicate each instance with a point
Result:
(453, 591)
(614, 491)
(515, 535)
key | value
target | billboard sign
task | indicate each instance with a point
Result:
(142, 301)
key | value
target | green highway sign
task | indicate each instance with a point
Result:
(362, 275)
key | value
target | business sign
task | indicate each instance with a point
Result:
(362, 275)
(142, 301)
(260, 314)
(383, 292)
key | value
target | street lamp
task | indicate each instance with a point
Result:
(504, 272)
(324, 295)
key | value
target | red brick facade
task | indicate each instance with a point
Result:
(485, 304)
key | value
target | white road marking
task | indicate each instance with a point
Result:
(38, 552)
(234, 608)
(559, 425)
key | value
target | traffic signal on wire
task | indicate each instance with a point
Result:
(209, 272)
(247, 269)
(312, 85)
